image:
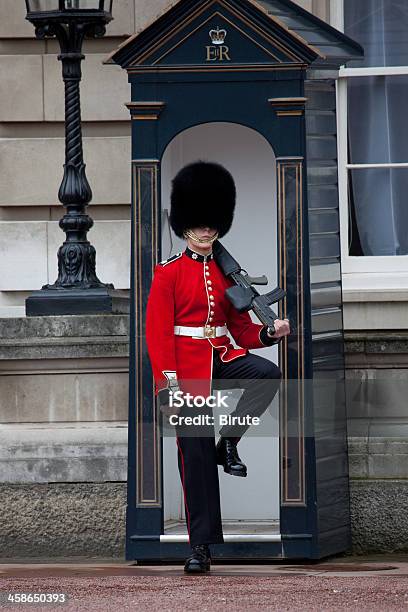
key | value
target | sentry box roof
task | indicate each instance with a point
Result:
(281, 32)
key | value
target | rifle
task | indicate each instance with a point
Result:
(243, 296)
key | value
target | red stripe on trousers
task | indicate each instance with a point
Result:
(184, 489)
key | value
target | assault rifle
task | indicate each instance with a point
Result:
(243, 296)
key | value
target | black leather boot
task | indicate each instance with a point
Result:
(200, 561)
(227, 456)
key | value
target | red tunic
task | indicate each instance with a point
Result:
(190, 290)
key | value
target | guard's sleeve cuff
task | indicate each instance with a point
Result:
(172, 386)
(265, 339)
(171, 377)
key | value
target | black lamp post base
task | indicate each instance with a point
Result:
(49, 302)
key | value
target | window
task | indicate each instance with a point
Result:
(373, 139)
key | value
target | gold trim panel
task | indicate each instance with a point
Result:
(142, 500)
(218, 68)
(282, 166)
(289, 113)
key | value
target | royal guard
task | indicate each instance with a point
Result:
(187, 320)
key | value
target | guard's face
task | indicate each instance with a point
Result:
(204, 232)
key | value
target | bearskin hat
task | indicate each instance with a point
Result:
(203, 193)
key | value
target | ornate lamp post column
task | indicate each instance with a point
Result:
(77, 289)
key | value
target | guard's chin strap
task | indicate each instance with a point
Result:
(187, 234)
(190, 234)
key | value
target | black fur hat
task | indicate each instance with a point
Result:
(203, 193)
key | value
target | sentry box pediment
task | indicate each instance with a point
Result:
(234, 34)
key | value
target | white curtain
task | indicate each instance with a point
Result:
(378, 127)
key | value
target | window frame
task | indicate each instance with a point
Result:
(367, 271)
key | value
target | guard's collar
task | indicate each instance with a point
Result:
(197, 257)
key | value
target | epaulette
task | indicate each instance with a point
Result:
(170, 259)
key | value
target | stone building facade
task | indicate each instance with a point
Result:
(63, 384)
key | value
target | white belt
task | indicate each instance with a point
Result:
(206, 331)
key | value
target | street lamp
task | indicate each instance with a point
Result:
(77, 289)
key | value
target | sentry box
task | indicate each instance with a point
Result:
(250, 84)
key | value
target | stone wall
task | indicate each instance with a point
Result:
(62, 520)
(377, 392)
(63, 436)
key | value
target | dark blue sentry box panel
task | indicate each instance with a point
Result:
(271, 66)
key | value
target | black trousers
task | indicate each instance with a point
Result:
(197, 462)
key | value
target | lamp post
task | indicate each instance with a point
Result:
(77, 289)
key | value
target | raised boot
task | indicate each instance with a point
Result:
(200, 561)
(227, 456)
